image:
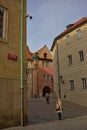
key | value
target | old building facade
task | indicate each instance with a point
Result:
(40, 78)
(10, 61)
(70, 62)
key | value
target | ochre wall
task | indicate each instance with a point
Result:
(10, 69)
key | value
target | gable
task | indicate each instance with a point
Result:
(44, 52)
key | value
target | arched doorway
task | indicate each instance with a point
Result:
(46, 89)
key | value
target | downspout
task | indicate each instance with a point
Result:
(21, 65)
(58, 68)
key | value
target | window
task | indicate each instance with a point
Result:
(43, 77)
(45, 63)
(3, 23)
(46, 77)
(71, 84)
(79, 33)
(68, 39)
(81, 55)
(70, 59)
(84, 84)
(45, 55)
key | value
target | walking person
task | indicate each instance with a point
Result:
(47, 97)
(59, 108)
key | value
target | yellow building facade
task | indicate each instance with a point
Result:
(10, 62)
(70, 63)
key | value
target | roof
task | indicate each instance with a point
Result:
(41, 49)
(69, 28)
(28, 53)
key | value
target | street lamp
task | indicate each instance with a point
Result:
(28, 15)
(36, 62)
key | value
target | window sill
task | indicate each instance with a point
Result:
(3, 40)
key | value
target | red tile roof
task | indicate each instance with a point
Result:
(70, 28)
(28, 53)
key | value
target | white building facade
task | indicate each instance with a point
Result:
(70, 63)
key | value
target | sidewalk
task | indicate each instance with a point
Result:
(78, 123)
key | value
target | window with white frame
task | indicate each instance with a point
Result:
(68, 38)
(79, 33)
(71, 84)
(84, 83)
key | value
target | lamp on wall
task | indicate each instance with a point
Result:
(61, 79)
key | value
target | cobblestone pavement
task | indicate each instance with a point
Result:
(78, 123)
(40, 111)
(43, 116)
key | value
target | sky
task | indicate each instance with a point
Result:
(50, 18)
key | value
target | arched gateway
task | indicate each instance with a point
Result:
(46, 89)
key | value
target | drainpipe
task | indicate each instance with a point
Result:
(21, 65)
(58, 68)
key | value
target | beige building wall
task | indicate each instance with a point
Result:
(9, 68)
(77, 70)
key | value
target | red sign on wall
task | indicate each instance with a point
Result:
(12, 57)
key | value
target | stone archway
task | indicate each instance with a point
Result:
(46, 89)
